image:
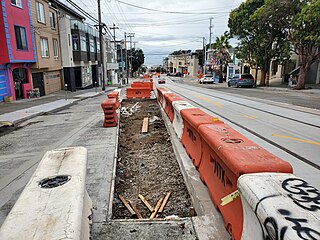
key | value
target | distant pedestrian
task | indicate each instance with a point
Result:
(290, 81)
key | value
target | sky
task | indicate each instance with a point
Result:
(164, 25)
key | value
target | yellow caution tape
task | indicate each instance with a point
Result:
(215, 119)
(229, 198)
(7, 123)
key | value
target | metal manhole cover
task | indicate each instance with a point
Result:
(232, 140)
(54, 181)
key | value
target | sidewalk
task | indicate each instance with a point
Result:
(21, 110)
(309, 88)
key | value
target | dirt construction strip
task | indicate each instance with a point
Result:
(146, 165)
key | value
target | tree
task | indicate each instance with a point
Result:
(261, 40)
(299, 20)
(220, 50)
(137, 59)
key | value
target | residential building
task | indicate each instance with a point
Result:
(80, 49)
(46, 72)
(111, 64)
(184, 62)
(121, 59)
(17, 52)
(279, 73)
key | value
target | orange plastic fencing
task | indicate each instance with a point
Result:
(191, 140)
(109, 106)
(226, 154)
(170, 97)
(138, 93)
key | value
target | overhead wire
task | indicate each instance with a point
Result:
(163, 11)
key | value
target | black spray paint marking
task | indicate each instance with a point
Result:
(302, 194)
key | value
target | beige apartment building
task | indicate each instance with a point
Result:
(46, 72)
(184, 61)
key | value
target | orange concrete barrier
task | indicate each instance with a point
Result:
(191, 140)
(226, 155)
(148, 85)
(161, 93)
(109, 106)
(116, 96)
(138, 93)
(170, 98)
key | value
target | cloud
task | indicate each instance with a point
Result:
(157, 32)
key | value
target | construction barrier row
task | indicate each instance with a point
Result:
(55, 203)
(138, 93)
(220, 154)
(110, 106)
(140, 89)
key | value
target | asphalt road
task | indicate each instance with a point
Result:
(289, 131)
(79, 125)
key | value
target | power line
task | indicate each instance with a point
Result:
(161, 11)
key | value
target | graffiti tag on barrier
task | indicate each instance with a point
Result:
(302, 194)
(271, 230)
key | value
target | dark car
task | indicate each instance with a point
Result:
(242, 80)
(161, 81)
(178, 74)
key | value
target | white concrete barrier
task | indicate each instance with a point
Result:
(177, 120)
(164, 99)
(54, 204)
(279, 206)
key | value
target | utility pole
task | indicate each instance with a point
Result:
(130, 35)
(115, 42)
(210, 34)
(210, 29)
(101, 48)
(134, 45)
(122, 65)
(204, 55)
(127, 68)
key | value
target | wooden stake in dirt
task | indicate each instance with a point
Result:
(146, 203)
(135, 209)
(145, 125)
(156, 209)
(126, 204)
(164, 202)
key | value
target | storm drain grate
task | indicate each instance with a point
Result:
(55, 181)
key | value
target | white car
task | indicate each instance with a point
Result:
(206, 79)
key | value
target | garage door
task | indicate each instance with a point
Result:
(3, 85)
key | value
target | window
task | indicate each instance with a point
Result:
(98, 47)
(17, 3)
(92, 45)
(52, 20)
(55, 49)
(44, 47)
(75, 42)
(21, 38)
(83, 44)
(40, 12)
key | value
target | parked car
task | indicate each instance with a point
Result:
(178, 74)
(161, 81)
(206, 79)
(242, 80)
